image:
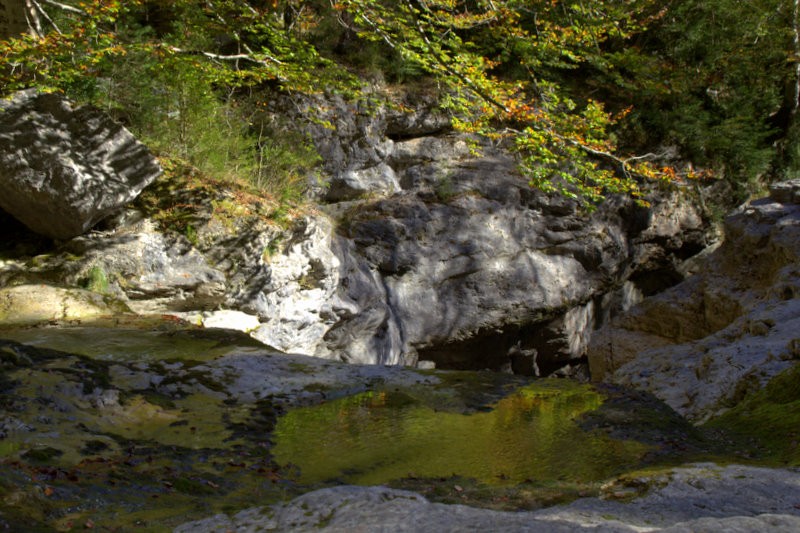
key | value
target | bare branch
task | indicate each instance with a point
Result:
(231, 57)
(63, 7)
(45, 16)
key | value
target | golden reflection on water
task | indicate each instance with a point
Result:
(376, 437)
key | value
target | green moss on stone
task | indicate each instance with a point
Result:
(767, 422)
(96, 280)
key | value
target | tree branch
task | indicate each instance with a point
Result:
(623, 163)
(63, 7)
(232, 57)
(44, 15)
(446, 65)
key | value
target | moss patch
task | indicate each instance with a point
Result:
(82, 451)
(766, 425)
(96, 280)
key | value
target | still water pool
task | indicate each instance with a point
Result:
(377, 437)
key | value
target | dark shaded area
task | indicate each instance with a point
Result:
(538, 349)
(629, 414)
(16, 240)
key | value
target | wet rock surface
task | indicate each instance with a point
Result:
(153, 423)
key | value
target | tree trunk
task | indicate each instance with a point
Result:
(796, 88)
(18, 17)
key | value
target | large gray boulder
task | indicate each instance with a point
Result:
(463, 264)
(65, 168)
(469, 267)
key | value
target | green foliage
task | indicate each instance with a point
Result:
(501, 65)
(712, 78)
(191, 234)
(156, 79)
(172, 106)
(790, 152)
(285, 159)
(444, 189)
(557, 79)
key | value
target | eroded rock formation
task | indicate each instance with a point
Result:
(704, 344)
(457, 261)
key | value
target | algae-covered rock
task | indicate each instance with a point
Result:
(156, 424)
(32, 304)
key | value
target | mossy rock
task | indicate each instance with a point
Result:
(767, 422)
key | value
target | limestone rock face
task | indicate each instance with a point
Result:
(703, 344)
(353, 184)
(449, 256)
(424, 251)
(468, 262)
(294, 303)
(152, 272)
(62, 168)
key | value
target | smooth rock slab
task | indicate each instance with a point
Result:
(65, 168)
(702, 497)
(34, 304)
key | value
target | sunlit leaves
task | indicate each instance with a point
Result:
(501, 65)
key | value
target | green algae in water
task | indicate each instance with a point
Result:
(378, 437)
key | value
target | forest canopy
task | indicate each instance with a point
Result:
(593, 96)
